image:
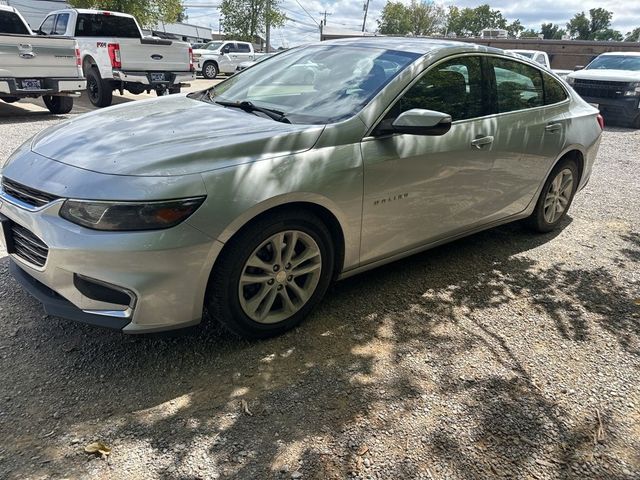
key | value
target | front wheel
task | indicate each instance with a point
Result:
(272, 275)
(210, 70)
(556, 197)
(58, 105)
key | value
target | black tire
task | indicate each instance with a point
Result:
(537, 221)
(99, 91)
(210, 70)
(58, 105)
(175, 89)
(9, 99)
(636, 122)
(222, 301)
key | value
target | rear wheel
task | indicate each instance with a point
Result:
(58, 105)
(271, 275)
(210, 70)
(175, 89)
(99, 91)
(556, 197)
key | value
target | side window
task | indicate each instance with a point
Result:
(553, 91)
(61, 24)
(453, 87)
(233, 48)
(518, 86)
(243, 48)
(47, 25)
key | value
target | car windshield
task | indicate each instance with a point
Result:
(212, 45)
(315, 84)
(616, 62)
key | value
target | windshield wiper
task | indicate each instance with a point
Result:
(247, 106)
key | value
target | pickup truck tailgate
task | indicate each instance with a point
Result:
(151, 55)
(25, 56)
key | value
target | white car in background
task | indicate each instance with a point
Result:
(223, 57)
(542, 58)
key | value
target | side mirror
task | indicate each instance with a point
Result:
(416, 122)
(226, 50)
(578, 67)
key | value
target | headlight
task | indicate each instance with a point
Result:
(570, 80)
(633, 89)
(122, 216)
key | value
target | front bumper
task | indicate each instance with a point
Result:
(50, 86)
(624, 110)
(145, 78)
(166, 271)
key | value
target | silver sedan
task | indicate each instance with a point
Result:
(241, 203)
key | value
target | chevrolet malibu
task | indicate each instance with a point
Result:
(241, 203)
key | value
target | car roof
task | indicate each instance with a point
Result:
(93, 11)
(410, 44)
(630, 54)
(7, 8)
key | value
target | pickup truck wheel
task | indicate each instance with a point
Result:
(99, 92)
(209, 70)
(636, 122)
(175, 89)
(58, 105)
(10, 99)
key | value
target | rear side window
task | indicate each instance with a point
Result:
(453, 87)
(90, 25)
(61, 24)
(518, 86)
(553, 91)
(11, 24)
(47, 25)
(243, 48)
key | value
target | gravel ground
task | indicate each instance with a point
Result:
(503, 355)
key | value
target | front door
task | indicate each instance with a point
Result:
(418, 189)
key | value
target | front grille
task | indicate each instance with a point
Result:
(27, 246)
(600, 88)
(25, 194)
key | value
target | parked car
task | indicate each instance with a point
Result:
(223, 57)
(542, 58)
(33, 67)
(116, 56)
(612, 82)
(265, 192)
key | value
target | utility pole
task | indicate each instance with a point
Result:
(325, 13)
(267, 22)
(366, 9)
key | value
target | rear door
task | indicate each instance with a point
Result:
(531, 128)
(244, 52)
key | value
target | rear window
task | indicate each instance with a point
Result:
(90, 25)
(243, 47)
(11, 24)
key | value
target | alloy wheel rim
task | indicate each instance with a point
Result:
(280, 277)
(211, 71)
(558, 196)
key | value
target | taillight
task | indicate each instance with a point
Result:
(114, 55)
(191, 67)
(600, 119)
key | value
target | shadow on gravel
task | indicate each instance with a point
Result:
(185, 396)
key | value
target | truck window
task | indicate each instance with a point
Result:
(61, 24)
(11, 24)
(243, 48)
(47, 25)
(101, 25)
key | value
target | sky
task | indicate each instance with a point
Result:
(304, 15)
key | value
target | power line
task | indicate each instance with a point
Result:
(305, 11)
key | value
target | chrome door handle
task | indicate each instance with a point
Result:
(553, 127)
(479, 142)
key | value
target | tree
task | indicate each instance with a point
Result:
(514, 29)
(551, 31)
(529, 33)
(596, 27)
(418, 18)
(245, 19)
(633, 35)
(147, 12)
(469, 22)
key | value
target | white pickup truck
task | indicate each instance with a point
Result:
(612, 83)
(542, 58)
(116, 56)
(32, 67)
(223, 57)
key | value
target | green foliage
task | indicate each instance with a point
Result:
(245, 19)
(633, 35)
(147, 12)
(515, 28)
(469, 22)
(529, 33)
(595, 27)
(419, 18)
(551, 31)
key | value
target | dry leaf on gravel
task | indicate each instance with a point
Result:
(245, 407)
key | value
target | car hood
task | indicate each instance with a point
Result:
(174, 135)
(607, 75)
